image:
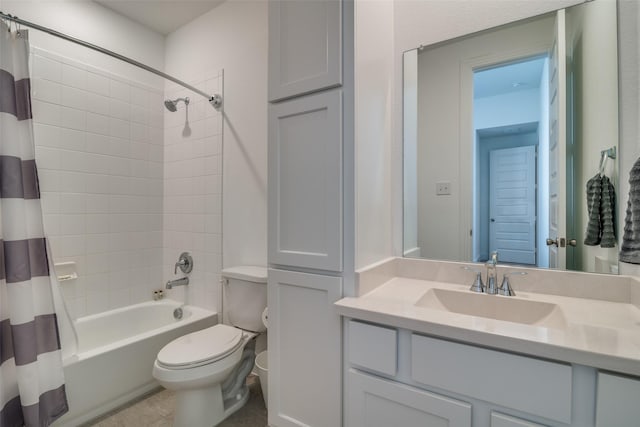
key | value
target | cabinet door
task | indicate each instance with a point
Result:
(305, 182)
(376, 402)
(304, 350)
(305, 39)
(617, 401)
(502, 420)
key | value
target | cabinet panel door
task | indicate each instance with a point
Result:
(304, 350)
(305, 39)
(305, 182)
(502, 420)
(376, 402)
(617, 401)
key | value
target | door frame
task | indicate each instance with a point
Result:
(468, 134)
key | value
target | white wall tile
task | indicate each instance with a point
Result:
(97, 123)
(47, 90)
(97, 83)
(46, 68)
(74, 98)
(74, 76)
(119, 90)
(94, 211)
(98, 104)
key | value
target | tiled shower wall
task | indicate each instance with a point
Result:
(99, 150)
(193, 190)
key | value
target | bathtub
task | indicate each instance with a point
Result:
(116, 351)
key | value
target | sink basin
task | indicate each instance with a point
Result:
(508, 309)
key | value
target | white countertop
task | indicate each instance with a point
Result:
(598, 333)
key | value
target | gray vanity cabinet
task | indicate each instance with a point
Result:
(305, 47)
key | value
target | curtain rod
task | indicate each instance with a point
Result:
(215, 100)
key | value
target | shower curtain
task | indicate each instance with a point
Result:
(32, 390)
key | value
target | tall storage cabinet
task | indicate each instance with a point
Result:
(310, 178)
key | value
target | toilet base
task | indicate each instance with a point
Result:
(204, 408)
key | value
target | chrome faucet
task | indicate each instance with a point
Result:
(505, 288)
(183, 281)
(491, 287)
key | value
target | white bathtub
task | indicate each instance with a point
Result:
(116, 350)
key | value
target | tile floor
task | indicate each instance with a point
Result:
(156, 410)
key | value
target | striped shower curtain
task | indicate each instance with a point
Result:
(32, 389)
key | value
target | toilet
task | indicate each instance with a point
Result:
(207, 369)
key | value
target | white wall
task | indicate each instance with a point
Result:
(373, 130)
(95, 24)
(98, 136)
(629, 54)
(596, 121)
(231, 37)
(410, 154)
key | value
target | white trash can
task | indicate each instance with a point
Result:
(262, 365)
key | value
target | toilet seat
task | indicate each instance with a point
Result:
(201, 347)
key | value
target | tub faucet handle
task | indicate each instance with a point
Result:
(185, 262)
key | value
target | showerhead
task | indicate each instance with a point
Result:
(172, 105)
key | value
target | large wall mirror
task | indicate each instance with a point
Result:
(504, 131)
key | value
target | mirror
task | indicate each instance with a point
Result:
(503, 131)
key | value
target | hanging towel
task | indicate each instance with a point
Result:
(594, 196)
(601, 202)
(607, 214)
(630, 249)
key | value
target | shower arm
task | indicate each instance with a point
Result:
(215, 100)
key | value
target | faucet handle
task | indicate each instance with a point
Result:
(477, 285)
(505, 288)
(185, 262)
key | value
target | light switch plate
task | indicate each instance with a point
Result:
(443, 188)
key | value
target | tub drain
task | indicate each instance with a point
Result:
(177, 313)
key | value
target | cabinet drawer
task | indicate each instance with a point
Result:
(617, 402)
(376, 402)
(530, 385)
(373, 347)
(502, 420)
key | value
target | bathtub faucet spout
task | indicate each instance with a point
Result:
(178, 282)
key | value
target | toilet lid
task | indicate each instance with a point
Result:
(197, 348)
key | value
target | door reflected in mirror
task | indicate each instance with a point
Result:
(503, 132)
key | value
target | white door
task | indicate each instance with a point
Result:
(557, 146)
(512, 204)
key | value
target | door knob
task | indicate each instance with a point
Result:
(552, 242)
(493, 220)
(572, 242)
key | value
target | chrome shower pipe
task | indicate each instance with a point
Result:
(215, 100)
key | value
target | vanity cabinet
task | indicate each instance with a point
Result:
(618, 401)
(502, 420)
(396, 374)
(305, 47)
(377, 402)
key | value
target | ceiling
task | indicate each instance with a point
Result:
(508, 78)
(162, 16)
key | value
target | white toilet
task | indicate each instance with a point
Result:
(207, 369)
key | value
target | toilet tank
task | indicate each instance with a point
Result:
(245, 289)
